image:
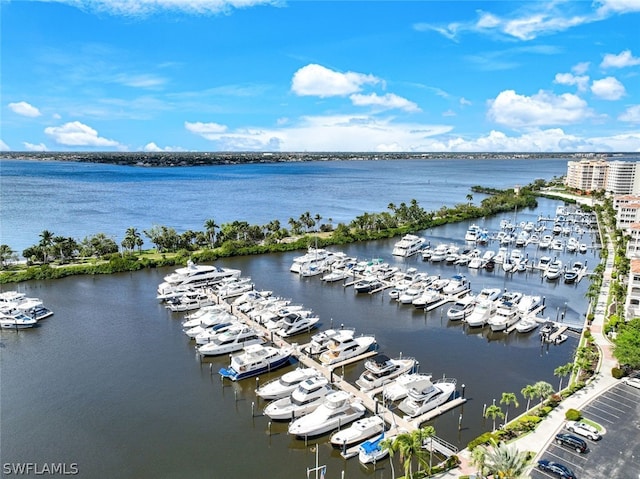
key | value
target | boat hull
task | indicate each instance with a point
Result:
(234, 375)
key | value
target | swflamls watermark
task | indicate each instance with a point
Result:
(40, 468)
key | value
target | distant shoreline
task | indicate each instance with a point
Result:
(177, 159)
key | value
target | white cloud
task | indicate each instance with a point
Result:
(580, 68)
(581, 81)
(152, 147)
(316, 80)
(77, 134)
(4, 146)
(24, 109)
(608, 7)
(608, 88)
(541, 109)
(140, 81)
(135, 8)
(631, 114)
(465, 102)
(388, 101)
(206, 130)
(623, 59)
(32, 147)
(331, 133)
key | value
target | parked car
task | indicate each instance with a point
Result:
(584, 429)
(635, 382)
(571, 441)
(557, 469)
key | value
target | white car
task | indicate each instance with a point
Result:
(635, 382)
(583, 429)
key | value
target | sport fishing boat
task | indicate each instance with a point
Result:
(420, 401)
(285, 384)
(359, 431)
(338, 409)
(341, 348)
(309, 394)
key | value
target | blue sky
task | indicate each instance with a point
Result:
(271, 75)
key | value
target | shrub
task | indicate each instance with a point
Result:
(573, 415)
(482, 439)
(617, 373)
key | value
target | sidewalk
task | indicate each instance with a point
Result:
(602, 380)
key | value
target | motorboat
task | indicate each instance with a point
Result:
(255, 360)
(582, 248)
(335, 275)
(481, 313)
(206, 336)
(399, 387)
(320, 340)
(420, 401)
(338, 409)
(529, 303)
(471, 234)
(427, 299)
(341, 348)
(284, 385)
(359, 431)
(554, 270)
(208, 317)
(372, 451)
(572, 275)
(189, 301)
(234, 339)
(461, 308)
(512, 297)
(411, 293)
(490, 294)
(506, 315)
(457, 284)
(304, 399)
(408, 246)
(381, 369)
(209, 327)
(368, 284)
(16, 321)
(234, 288)
(35, 312)
(194, 275)
(527, 324)
(313, 256)
(439, 253)
(543, 263)
(545, 242)
(296, 323)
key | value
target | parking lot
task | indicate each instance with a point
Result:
(617, 454)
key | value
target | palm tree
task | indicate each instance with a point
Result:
(469, 198)
(508, 399)
(46, 240)
(506, 462)
(410, 446)
(391, 445)
(478, 459)
(317, 218)
(543, 390)
(528, 392)
(210, 227)
(494, 411)
(428, 432)
(562, 371)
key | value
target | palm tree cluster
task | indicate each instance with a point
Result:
(411, 447)
(500, 461)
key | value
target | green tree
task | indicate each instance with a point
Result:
(46, 241)
(543, 390)
(562, 371)
(478, 459)
(627, 344)
(508, 399)
(391, 445)
(410, 447)
(493, 412)
(469, 198)
(6, 256)
(210, 229)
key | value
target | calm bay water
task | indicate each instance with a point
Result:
(112, 384)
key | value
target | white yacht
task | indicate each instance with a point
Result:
(314, 256)
(420, 401)
(543, 263)
(284, 385)
(341, 348)
(338, 409)
(359, 431)
(490, 294)
(506, 315)
(427, 299)
(457, 284)
(399, 387)
(371, 451)
(462, 308)
(528, 303)
(194, 275)
(381, 369)
(367, 284)
(233, 339)
(527, 323)
(320, 340)
(16, 321)
(296, 323)
(481, 313)
(471, 234)
(190, 301)
(304, 399)
(206, 335)
(408, 246)
(554, 270)
(255, 360)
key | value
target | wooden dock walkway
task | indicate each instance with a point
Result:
(396, 423)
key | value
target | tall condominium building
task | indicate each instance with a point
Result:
(587, 175)
(617, 177)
